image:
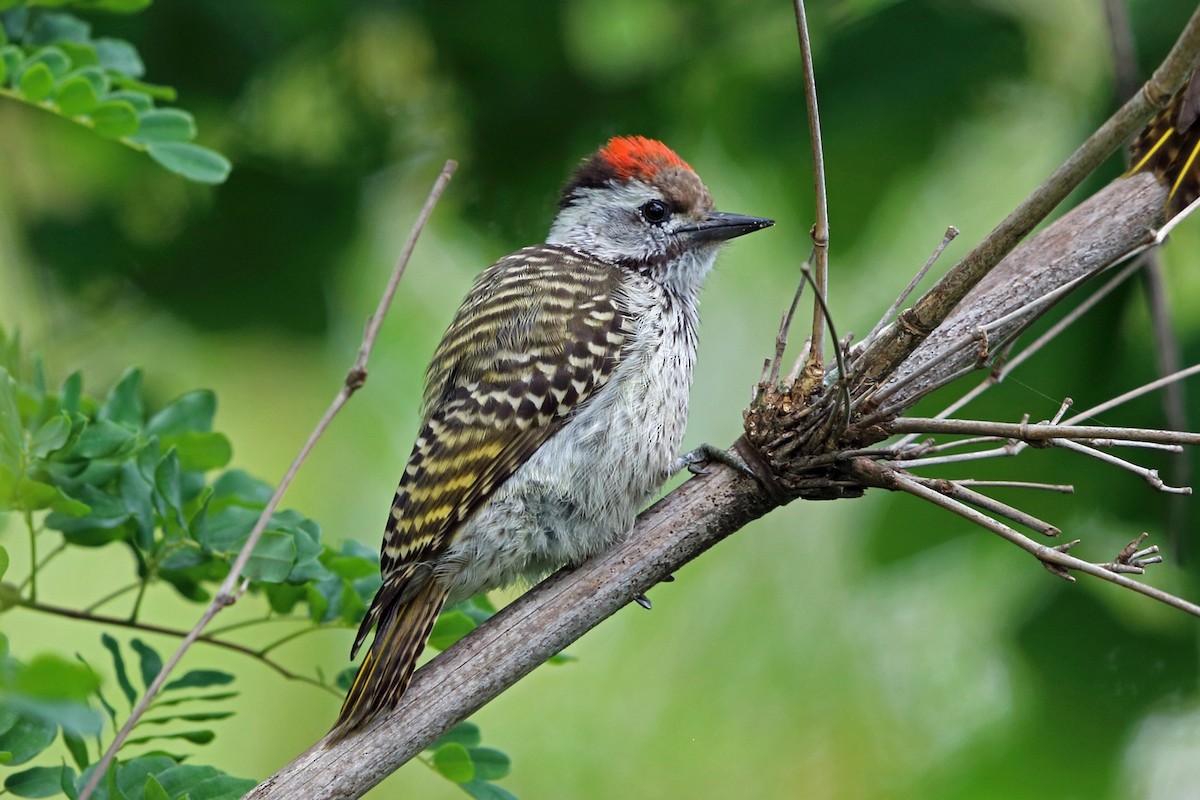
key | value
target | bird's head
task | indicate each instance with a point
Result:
(637, 204)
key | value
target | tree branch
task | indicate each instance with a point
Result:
(226, 594)
(990, 284)
(539, 624)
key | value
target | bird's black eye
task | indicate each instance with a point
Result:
(655, 211)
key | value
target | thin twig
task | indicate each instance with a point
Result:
(123, 622)
(961, 493)
(1133, 394)
(1149, 475)
(947, 238)
(1062, 488)
(843, 385)
(820, 229)
(781, 339)
(879, 475)
(354, 379)
(1038, 432)
(898, 341)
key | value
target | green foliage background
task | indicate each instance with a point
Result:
(874, 648)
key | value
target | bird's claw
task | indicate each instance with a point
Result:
(697, 461)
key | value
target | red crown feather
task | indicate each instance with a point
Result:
(639, 157)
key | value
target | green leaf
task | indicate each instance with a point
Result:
(352, 608)
(236, 487)
(77, 747)
(454, 762)
(153, 790)
(52, 677)
(193, 411)
(450, 627)
(120, 7)
(490, 763)
(35, 496)
(81, 54)
(124, 401)
(114, 119)
(53, 27)
(69, 395)
(482, 790)
(3, 561)
(76, 96)
(164, 93)
(165, 125)
(192, 161)
(150, 662)
(37, 82)
(50, 436)
(196, 716)
(273, 558)
(465, 733)
(139, 100)
(26, 738)
(114, 650)
(12, 57)
(195, 737)
(55, 60)
(38, 781)
(200, 452)
(168, 492)
(199, 678)
(104, 439)
(119, 56)
(215, 697)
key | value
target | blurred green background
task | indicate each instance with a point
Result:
(870, 648)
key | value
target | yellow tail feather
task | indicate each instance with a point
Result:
(388, 665)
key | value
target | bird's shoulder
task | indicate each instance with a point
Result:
(538, 316)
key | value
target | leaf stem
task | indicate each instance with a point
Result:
(102, 619)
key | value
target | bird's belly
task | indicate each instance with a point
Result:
(580, 492)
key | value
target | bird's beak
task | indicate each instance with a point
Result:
(718, 226)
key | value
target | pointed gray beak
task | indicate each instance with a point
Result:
(719, 226)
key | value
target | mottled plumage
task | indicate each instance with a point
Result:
(554, 406)
(1169, 146)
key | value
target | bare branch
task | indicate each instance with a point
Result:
(1149, 475)
(1038, 432)
(124, 622)
(1063, 488)
(820, 229)
(949, 236)
(900, 340)
(225, 595)
(1056, 559)
(531, 629)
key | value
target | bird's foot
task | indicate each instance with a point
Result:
(697, 461)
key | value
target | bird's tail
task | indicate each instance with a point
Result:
(388, 666)
(1170, 147)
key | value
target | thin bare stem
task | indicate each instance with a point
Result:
(820, 229)
(1149, 475)
(1135, 393)
(123, 622)
(843, 386)
(113, 595)
(1056, 557)
(1038, 432)
(1062, 488)
(898, 341)
(781, 339)
(947, 238)
(961, 493)
(354, 380)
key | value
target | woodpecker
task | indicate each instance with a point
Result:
(1169, 146)
(554, 406)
